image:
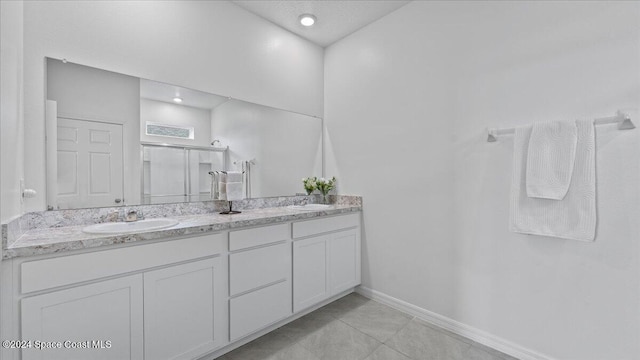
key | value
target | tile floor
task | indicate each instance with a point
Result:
(356, 328)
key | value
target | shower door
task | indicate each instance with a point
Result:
(164, 175)
(174, 173)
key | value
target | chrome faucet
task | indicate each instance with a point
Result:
(113, 216)
(132, 215)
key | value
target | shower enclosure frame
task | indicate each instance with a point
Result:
(186, 169)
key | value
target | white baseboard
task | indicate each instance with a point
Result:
(454, 326)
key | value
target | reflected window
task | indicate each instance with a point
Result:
(180, 132)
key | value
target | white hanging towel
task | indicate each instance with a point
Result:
(230, 186)
(222, 191)
(234, 191)
(550, 158)
(233, 176)
(573, 217)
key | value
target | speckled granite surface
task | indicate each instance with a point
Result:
(59, 231)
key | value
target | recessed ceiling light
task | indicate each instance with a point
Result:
(307, 19)
(177, 99)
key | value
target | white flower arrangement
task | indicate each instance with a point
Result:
(325, 185)
(309, 184)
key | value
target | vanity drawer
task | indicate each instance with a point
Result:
(258, 267)
(243, 239)
(258, 309)
(318, 226)
(66, 270)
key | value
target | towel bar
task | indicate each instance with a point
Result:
(623, 120)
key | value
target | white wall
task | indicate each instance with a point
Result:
(407, 102)
(11, 124)
(286, 146)
(212, 46)
(172, 114)
(11, 113)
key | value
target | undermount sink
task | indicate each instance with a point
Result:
(309, 207)
(130, 227)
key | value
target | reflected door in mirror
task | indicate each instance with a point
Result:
(89, 164)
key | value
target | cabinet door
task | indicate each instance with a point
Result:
(310, 272)
(104, 319)
(184, 310)
(344, 260)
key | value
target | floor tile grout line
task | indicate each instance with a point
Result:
(340, 312)
(401, 353)
(410, 318)
(466, 341)
(398, 350)
(382, 342)
(293, 343)
(444, 331)
(296, 341)
(353, 327)
(397, 331)
(299, 342)
(466, 349)
(336, 319)
(374, 350)
(360, 331)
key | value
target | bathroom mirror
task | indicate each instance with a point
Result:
(115, 139)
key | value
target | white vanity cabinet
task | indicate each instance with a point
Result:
(78, 315)
(326, 258)
(184, 307)
(344, 260)
(183, 298)
(165, 300)
(259, 278)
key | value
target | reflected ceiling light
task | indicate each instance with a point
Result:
(177, 99)
(307, 19)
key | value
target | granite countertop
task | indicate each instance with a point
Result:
(61, 239)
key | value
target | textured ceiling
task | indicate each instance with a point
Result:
(336, 18)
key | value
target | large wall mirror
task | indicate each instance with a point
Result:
(115, 139)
